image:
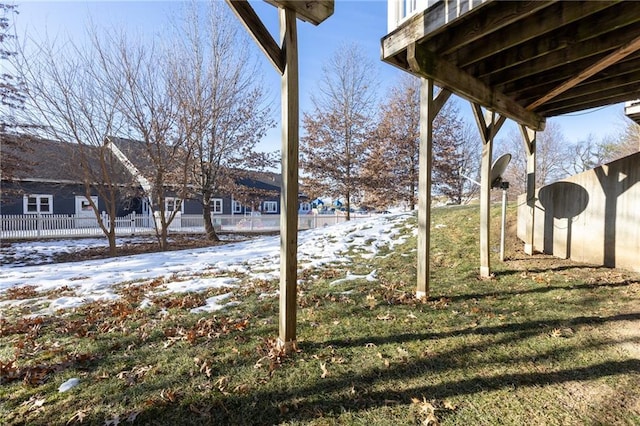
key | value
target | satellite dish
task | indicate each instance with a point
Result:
(498, 168)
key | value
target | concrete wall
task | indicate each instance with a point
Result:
(592, 217)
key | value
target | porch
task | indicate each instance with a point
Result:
(522, 60)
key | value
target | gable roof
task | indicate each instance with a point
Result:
(136, 153)
(44, 160)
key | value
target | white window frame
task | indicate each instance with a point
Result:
(217, 206)
(270, 207)
(170, 202)
(39, 203)
(237, 207)
(305, 207)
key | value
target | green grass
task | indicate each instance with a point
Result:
(546, 341)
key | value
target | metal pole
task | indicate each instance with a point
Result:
(504, 186)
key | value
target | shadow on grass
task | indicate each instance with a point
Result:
(541, 289)
(523, 330)
(330, 397)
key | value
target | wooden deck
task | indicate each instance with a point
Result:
(526, 60)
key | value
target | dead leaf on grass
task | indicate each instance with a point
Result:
(386, 317)
(427, 410)
(114, 421)
(203, 365)
(242, 388)
(169, 395)
(325, 372)
(34, 403)
(449, 405)
(78, 417)
(222, 383)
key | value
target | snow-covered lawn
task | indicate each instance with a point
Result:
(188, 270)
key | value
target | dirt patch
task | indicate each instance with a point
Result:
(177, 242)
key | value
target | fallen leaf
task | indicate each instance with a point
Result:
(131, 417)
(112, 422)
(428, 410)
(169, 395)
(555, 333)
(449, 405)
(33, 403)
(242, 388)
(222, 383)
(386, 317)
(78, 416)
(325, 372)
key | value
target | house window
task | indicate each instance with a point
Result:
(34, 204)
(216, 205)
(85, 206)
(305, 207)
(237, 207)
(270, 206)
(171, 204)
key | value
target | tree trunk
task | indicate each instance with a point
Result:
(164, 234)
(210, 231)
(111, 236)
(348, 205)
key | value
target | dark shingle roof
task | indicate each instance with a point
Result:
(53, 161)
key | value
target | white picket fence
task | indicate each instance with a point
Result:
(16, 227)
(58, 225)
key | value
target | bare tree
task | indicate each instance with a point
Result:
(223, 111)
(585, 155)
(464, 186)
(73, 97)
(454, 150)
(627, 143)
(391, 169)
(12, 99)
(334, 146)
(150, 110)
(551, 157)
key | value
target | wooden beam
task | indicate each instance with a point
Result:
(429, 108)
(488, 131)
(586, 93)
(485, 190)
(259, 32)
(441, 98)
(562, 48)
(619, 54)
(543, 54)
(493, 18)
(543, 83)
(608, 99)
(289, 193)
(313, 11)
(428, 65)
(529, 140)
(557, 15)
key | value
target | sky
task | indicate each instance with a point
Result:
(194, 270)
(363, 22)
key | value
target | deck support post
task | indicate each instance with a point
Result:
(424, 186)
(487, 133)
(529, 139)
(284, 57)
(429, 108)
(289, 192)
